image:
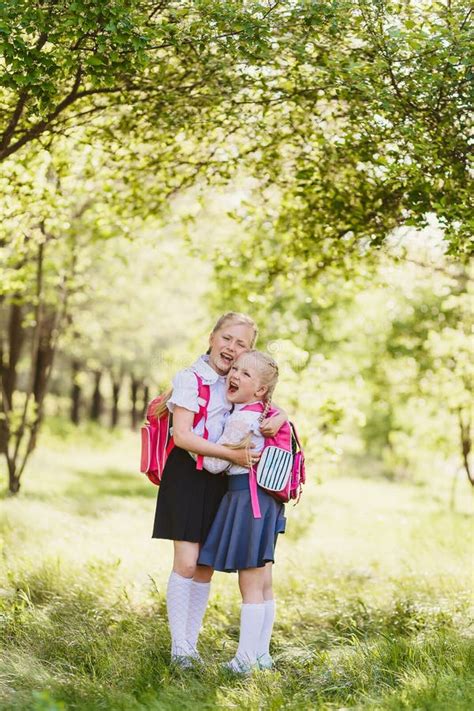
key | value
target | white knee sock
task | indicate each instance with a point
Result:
(177, 602)
(198, 598)
(251, 622)
(263, 648)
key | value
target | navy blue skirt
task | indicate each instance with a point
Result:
(188, 499)
(237, 540)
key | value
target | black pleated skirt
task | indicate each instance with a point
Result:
(188, 499)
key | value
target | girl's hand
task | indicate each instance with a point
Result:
(270, 425)
(244, 457)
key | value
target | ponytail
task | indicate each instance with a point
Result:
(160, 407)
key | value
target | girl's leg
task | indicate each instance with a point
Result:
(178, 595)
(263, 651)
(203, 574)
(185, 558)
(268, 582)
(199, 595)
(251, 583)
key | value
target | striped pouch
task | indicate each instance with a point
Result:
(274, 469)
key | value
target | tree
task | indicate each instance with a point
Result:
(74, 278)
(152, 64)
(135, 319)
(148, 69)
(351, 118)
(38, 274)
(54, 210)
(451, 376)
(364, 128)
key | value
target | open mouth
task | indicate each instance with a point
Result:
(232, 388)
(227, 358)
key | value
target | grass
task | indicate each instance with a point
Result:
(372, 580)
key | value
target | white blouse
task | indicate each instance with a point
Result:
(185, 394)
(237, 426)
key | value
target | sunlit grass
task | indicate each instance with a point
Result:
(372, 580)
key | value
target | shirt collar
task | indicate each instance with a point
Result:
(201, 367)
(239, 405)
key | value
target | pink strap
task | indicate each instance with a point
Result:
(169, 446)
(204, 393)
(254, 407)
(253, 493)
(258, 407)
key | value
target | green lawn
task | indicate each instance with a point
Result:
(373, 582)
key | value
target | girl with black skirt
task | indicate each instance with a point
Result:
(188, 498)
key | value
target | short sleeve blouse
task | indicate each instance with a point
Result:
(185, 394)
(185, 391)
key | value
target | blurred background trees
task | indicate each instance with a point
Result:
(306, 163)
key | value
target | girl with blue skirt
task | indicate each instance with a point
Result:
(237, 541)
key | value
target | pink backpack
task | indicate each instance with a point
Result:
(157, 442)
(281, 470)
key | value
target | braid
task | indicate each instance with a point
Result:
(267, 406)
(266, 409)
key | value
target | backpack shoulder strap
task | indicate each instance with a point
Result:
(295, 435)
(253, 407)
(259, 407)
(204, 395)
(204, 391)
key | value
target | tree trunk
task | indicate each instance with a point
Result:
(25, 437)
(466, 443)
(44, 357)
(76, 392)
(13, 480)
(116, 386)
(42, 371)
(146, 399)
(16, 337)
(27, 418)
(134, 385)
(96, 405)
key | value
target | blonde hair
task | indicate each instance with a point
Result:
(268, 372)
(239, 319)
(161, 406)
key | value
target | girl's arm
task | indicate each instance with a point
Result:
(185, 438)
(235, 431)
(271, 425)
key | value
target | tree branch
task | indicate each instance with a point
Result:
(22, 99)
